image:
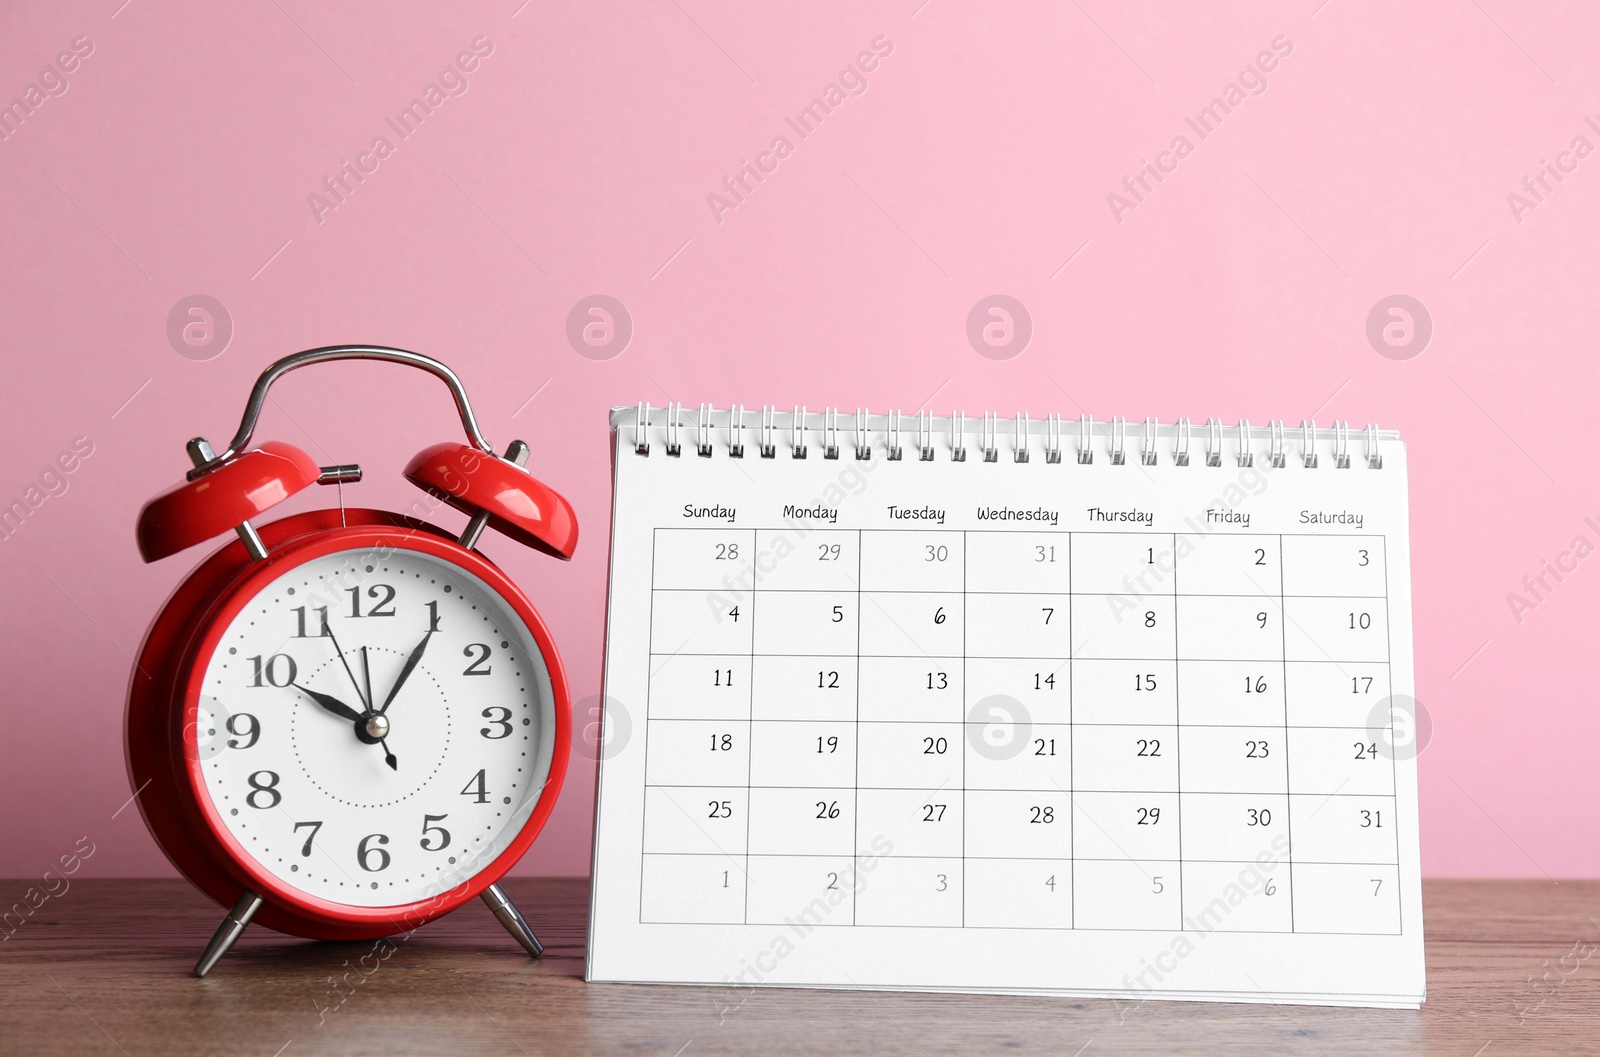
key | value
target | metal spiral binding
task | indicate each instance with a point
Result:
(769, 416)
(1213, 442)
(889, 436)
(674, 445)
(736, 431)
(641, 431)
(702, 431)
(1147, 444)
(830, 433)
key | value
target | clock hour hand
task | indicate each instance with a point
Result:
(406, 670)
(331, 704)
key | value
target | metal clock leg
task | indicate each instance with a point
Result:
(508, 915)
(231, 929)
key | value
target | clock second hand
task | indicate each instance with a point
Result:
(365, 700)
(366, 676)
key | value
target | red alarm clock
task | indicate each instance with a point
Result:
(346, 723)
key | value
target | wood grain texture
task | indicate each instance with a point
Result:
(104, 968)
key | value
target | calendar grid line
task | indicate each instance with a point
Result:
(1052, 928)
(1316, 793)
(963, 729)
(1224, 533)
(1033, 657)
(855, 844)
(1146, 725)
(649, 687)
(1072, 748)
(1283, 638)
(1394, 781)
(1177, 715)
(749, 762)
(1265, 596)
(1375, 863)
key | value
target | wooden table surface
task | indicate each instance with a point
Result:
(104, 968)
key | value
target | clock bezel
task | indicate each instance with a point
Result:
(220, 589)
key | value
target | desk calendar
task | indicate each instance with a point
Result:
(1008, 705)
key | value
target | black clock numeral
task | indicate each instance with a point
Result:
(477, 789)
(428, 827)
(384, 607)
(365, 854)
(300, 622)
(503, 722)
(272, 671)
(433, 616)
(258, 786)
(305, 849)
(479, 665)
(253, 733)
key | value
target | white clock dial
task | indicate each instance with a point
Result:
(340, 784)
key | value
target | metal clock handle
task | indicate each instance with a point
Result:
(258, 395)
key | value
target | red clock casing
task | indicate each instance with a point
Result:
(164, 700)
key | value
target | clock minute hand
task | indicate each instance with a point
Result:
(331, 703)
(406, 670)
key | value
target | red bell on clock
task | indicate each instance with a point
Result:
(346, 723)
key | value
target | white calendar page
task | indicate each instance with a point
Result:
(1092, 728)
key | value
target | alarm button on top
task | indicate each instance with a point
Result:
(214, 503)
(518, 505)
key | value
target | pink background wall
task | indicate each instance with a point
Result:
(1376, 160)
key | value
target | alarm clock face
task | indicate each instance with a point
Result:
(372, 731)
